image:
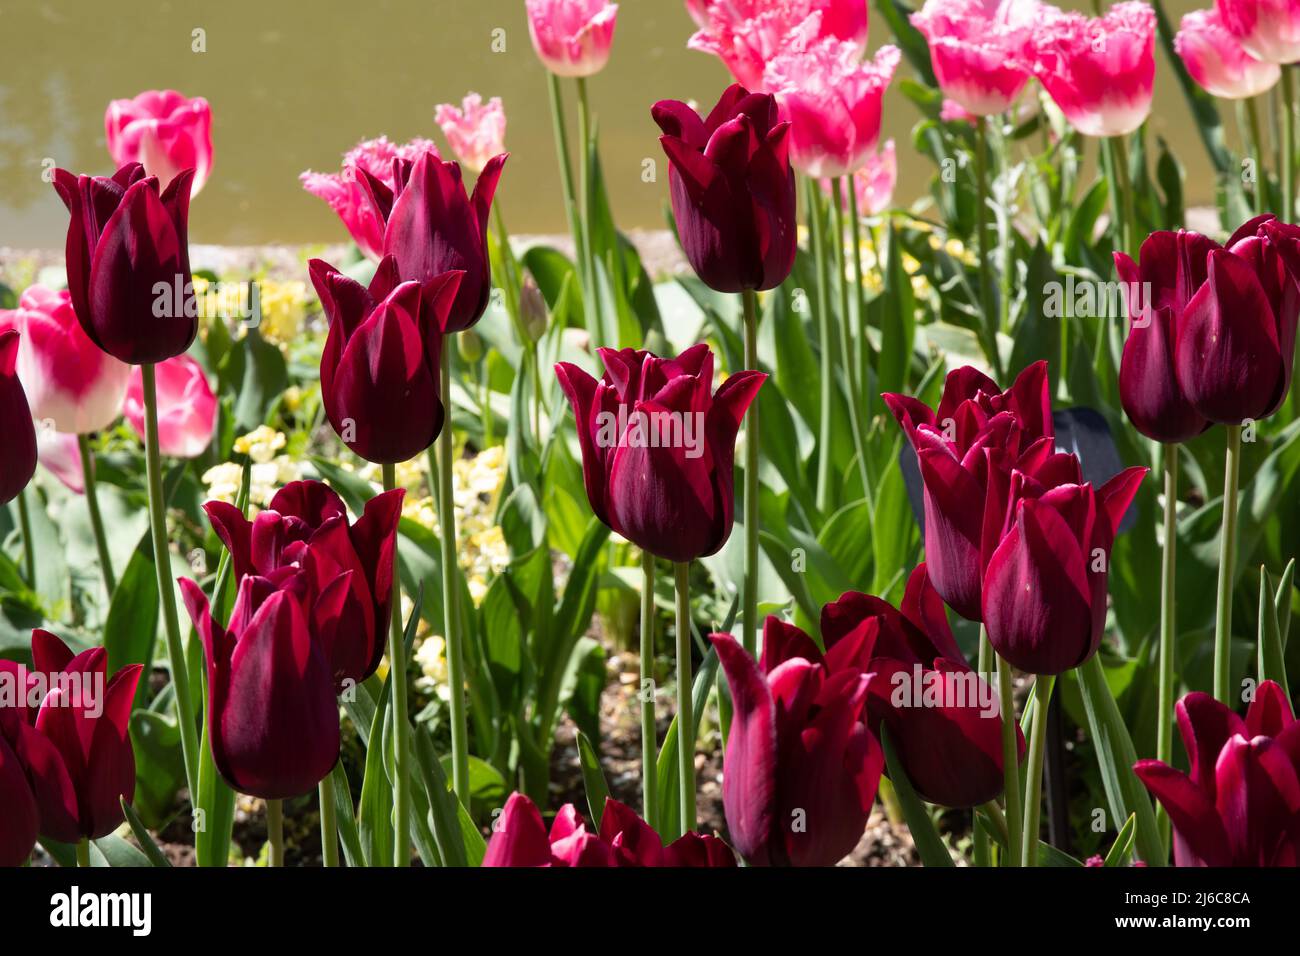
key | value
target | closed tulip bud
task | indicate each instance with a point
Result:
(21, 824)
(532, 307)
(305, 527)
(165, 131)
(1240, 804)
(572, 37)
(17, 433)
(470, 345)
(1236, 344)
(1044, 595)
(129, 262)
(1172, 267)
(272, 717)
(187, 407)
(732, 189)
(658, 447)
(802, 766)
(380, 369)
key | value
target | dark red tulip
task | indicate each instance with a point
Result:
(305, 526)
(732, 189)
(273, 719)
(1044, 595)
(520, 838)
(380, 370)
(1236, 343)
(21, 822)
(1172, 268)
(74, 746)
(977, 434)
(802, 765)
(432, 227)
(1240, 805)
(129, 262)
(942, 716)
(17, 433)
(658, 447)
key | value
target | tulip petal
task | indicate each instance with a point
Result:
(1203, 840)
(518, 836)
(749, 782)
(22, 819)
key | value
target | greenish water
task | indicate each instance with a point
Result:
(294, 84)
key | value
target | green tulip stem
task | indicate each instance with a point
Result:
(1227, 560)
(329, 833)
(750, 634)
(846, 339)
(96, 520)
(1287, 172)
(1034, 771)
(450, 594)
(1010, 758)
(982, 250)
(982, 849)
(1165, 725)
(397, 679)
(1256, 156)
(590, 297)
(566, 171)
(647, 691)
(180, 673)
(685, 713)
(824, 343)
(83, 853)
(1121, 194)
(275, 831)
(861, 345)
(1007, 232)
(29, 545)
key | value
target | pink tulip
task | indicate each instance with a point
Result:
(975, 49)
(476, 131)
(61, 456)
(346, 192)
(1099, 71)
(163, 131)
(70, 382)
(572, 37)
(1217, 60)
(747, 34)
(1268, 29)
(832, 99)
(187, 407)
(874, 183)
(954, 112)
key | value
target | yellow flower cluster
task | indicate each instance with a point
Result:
(283, 305)
(268, 473)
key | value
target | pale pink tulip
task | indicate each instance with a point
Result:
(71, 383)
(832, 98)
(874, 183)
(748, 34)
(1268, 29)
(347, 194)
(976, 50)
(1217, 60)
(954, 112)
(572, 37)
(476, 131)
(60, 455)
(163, 131)
(1100, 71)
(187, 407)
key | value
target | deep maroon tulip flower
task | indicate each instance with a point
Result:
(432, 227)
(1240, 806)
(977, 432)
(1172, 268)
(732, 189)
(521, 839)
(306, 526)
(1236, 344)
(21, 822)
(802, 766)
(273, 720)
(17, 433)
(1044, 595)
(379, 373)
(70, 735)
(942, 716)
(658, 447)
(129, 262)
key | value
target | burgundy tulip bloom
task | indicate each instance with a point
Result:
(1044, 595)
(17, 433)
(305, 526)
(129, 262)
(802, 766)
(1172, 268)
(379, 373)
(432, 227)
(1240, 806)
(732, 189)
(658, 447)
(964, 447)
(22, 819)
(273, 720)
(1236, 343)
(520, 839)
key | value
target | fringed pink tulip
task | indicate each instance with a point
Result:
(976, 50)
(572, 37)
(1217, 60)
(187, 407)
(163, 131)
(475, 130)
(1268, 29)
